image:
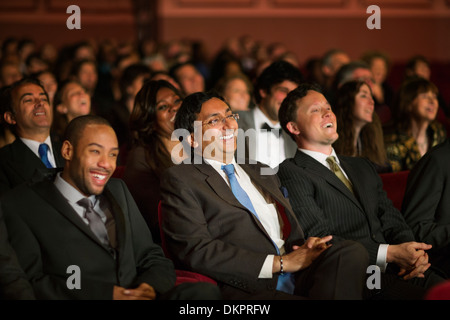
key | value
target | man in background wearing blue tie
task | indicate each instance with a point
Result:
(225, 219)
(27, 112)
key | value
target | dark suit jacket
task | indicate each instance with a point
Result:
(247, 121)
(49, 236)
(18, 163)
(426, 204)
(208, 231)
(13, 281)
(324, 206)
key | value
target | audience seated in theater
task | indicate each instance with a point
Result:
(426, 204)
(420, 66)
(89, 221)
(28, 114)
(188, 77)
(344, 196)
(237, 91)
(359, 70)
(415, 129)
(242, 245)
(224, 64)
(164, 75)
(151, 124)
(379, 64)
(9, 72)
(14, 284)
(71, 101)
(34, 64)
(131, 81)
(49, 82)
(360, 131)
(331, 62)
(267, 143)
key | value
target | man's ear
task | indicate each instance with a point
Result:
(262, 93)
(9, 117)
(293, 128)
(67, 150)
(191, 141)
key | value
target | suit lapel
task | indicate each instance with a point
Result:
(25, 160)
(313, 166)
(48, 191)
(358, 184)
(119, 218)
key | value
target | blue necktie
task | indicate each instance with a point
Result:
(43, 149)
(286, 280)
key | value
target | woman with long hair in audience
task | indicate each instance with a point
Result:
(151, 125)
(415, 129)
(359, 127)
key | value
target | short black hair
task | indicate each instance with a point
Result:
(288, 108)
(274, 74)
(131, 73)
(75, 128)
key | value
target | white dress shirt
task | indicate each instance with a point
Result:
(266, 211)
(321, 157)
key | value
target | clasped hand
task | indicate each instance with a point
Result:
(411, 257)
(302, 256)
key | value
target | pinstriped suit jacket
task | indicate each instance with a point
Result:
(323, 205)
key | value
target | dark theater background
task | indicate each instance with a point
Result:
(306, 27)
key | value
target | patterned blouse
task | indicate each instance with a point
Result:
(402, 149)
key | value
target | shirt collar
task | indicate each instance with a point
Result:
(320, 157)
(69, 192)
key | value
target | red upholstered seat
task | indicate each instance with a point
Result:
(395, 185)
(439, 292)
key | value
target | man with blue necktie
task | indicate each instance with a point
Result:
(27, 112)
(228, 220)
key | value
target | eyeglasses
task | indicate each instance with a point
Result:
(214, 122)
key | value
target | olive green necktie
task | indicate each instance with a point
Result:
(338, 172)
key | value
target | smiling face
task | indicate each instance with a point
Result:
(237, 94)
(32, 112)
(91, 161)
(315, 125)
(167, 105)
(218, 131)
(425, 106)
(364, 105)
(271, 101)
(75, 101)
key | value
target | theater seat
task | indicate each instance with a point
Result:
(394, 184)
(439, 292)
(182, 275)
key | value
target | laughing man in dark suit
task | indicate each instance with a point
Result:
(54, 231)
(351, 207)
(27, 111)
(253, 248)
